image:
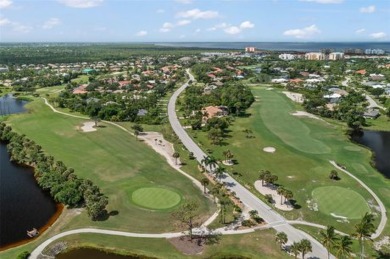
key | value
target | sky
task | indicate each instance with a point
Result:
(194, 20)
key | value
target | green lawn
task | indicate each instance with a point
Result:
(115, 161)
(340, 202)
(304, 147)
(155, 198)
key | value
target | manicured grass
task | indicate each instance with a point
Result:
(340, 201)
(304, 147)
(155, 198)
(116, 162)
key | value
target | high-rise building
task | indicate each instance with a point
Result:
(250, 49)
(374, 52)
(286, 56)
(336, 56)
(315, 56)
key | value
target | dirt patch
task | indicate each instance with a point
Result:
(305, 114)
(296, 97)
(88, 126)
(187, 246)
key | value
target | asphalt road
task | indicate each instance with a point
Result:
(273, 218)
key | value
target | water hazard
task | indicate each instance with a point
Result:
(84, 253)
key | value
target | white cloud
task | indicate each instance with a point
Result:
(183, 22)
(378, 35)
(303, 33)
(142, 33)
(167, 26)
(17, 27)
(81, 3)
(5, 3)
(51, 23)
(4, 21)
(246, 25)
(218, 26)
(184, 1)
(160, 11)
(368, 9)
(198, 30)
(198, 14)
(360, 30)
(232, 30)
(324, 1)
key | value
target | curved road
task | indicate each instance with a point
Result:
(274, 219)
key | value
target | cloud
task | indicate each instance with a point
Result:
(17, 27)
(198, 30)
(303, 33)
(5, 3)
(378, 35)
(359, 31)
(167, 26)
(184, 1)
(368, 9)
(238, 29)
(246, 25)
(4, 21)
(218, 26)
(198, 14)
(141, 33)
(52, 22)
(160, 11)
(183, 22)
(324, 1)
(81, 3)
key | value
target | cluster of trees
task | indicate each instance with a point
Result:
(62, 183)
(268, 178)
(341, 245)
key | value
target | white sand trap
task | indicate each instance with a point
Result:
(269, 149)
(228, 162)
(338, 216)
(296, 97)
(88, 126)
(269, 88)
(271, 189)
(305, 114)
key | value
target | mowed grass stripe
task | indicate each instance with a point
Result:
(340, 201)
(290, 129)
(155, 198)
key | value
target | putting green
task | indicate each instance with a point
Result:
(340, 202)
(155, 198)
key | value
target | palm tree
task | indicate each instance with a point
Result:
(288, 195)
(294, 248)
(343, 247)
(281, 191)
(281, 238)
(228, 156)
(204, 182)
(304, 247)
(328, 238)
(219, 172)
(176, 155)
(364, 230)
(264, 174)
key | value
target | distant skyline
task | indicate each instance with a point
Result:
(194, 20)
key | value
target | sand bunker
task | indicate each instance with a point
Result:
(271, 189)
(269, 149)
(305, 114)
(294, 96)
(88, 126)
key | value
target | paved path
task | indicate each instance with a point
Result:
(249, 199)
(382, 207)
(373, 103)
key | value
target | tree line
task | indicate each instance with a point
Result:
(54, 176)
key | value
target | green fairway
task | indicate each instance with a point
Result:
(338, 201)
(116, 162)
(155, 198)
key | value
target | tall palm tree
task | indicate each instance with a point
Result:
(281, 191)
(328, 238)
(219, 172)
(304, 247)
(205, 182)
(343, 247)
(176, 155)
(364, 229)
(281, 238)
(294, 248)
(264, 174)
(288, 194)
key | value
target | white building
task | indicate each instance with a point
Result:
(250, 49)
(374, 52)
(315, 56)
(336, 56)
(286, 56)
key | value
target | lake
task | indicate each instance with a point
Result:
(379, 143)
(23, 205)
(83, 253)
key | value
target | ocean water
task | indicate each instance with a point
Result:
(283, 46)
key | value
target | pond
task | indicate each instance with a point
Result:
(379, 143)
(83, 253)
(23, 205)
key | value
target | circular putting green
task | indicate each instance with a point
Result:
(156, 198)
(340, 202)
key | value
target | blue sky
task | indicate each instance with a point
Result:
(193, 20)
